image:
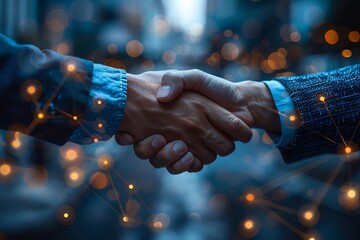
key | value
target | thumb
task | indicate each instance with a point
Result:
(171, 86)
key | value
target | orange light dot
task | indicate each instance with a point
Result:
(292, 118)
(99, 102)
(105, 162)
(250, 197)
(308, 215)
(75, 118)
(248, 224)
(312, 238)
(31, 90)
(74, 176)
(100, 125)
(40, 115)
(346, 53)
(322, 99)
(66, 215)
(347, 150)
(354, 36)
(96, 140)
(5, 169)
(131, 186)
(158, 224)
(125, 219)
(351, 193)
(331, 37)
(16, 143)
(71, 67)
(71, 155)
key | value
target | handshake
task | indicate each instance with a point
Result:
(181, 120)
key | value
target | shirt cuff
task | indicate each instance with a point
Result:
(105, 108)
(287, 114)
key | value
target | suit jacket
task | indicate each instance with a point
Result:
(58, 90)
(327, 126)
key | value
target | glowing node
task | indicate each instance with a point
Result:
(100, 125)
(250, 197)
(125, 219)
(351, 193)
(331, 37)
(322, 99)
(106, 162)
(157, 224)
(5, 169)
(96, 140)
(74, 176)
(40, 115)
(99, 102)
(311, 238)
(66, 215)
(71, 67)
(249, 224)
(292, 118)
(346, 53)
(31, 90)
(71, 154)
(16, 143)
(347, 150)
(131, 186)
(75, 118)
(308, 215)
(354, 36)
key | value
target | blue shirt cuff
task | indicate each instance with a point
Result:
(287, 114)
(105, 108)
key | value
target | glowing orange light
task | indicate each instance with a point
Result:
(131, 186)
(99, 102)
(16, 143)
(351, 193)
(354, 36)
(347, 150)
(75, 118)
(157, 224)
(312, 238)
(31, 90)
(5, 169)
(125, 219)
(74, 176)
(250, 197)
(71, 154)
(346, 53)
(249, 224)
(96, 140)
(66, 215)
(308, 215)
(40, 115)
(322, 99)
(292, 118)
(100, 125)
(71, 67)
(331, 37)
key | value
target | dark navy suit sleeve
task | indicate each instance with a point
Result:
(41, 90)
(328, 104)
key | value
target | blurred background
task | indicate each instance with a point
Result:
(103, 191)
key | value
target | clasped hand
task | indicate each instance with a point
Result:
(182, 120)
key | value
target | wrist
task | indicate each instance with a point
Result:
(261, 106)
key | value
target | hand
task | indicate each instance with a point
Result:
(192, 118)
(250, 101)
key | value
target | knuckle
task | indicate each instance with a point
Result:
(210, 158)
(193, 125)
(155, 163)
(227, 148)
(140, 152)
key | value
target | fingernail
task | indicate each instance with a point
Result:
(179, 147)
(187, 158)
(157, 142)
(164, 91)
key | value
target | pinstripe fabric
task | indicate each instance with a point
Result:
(341, 88)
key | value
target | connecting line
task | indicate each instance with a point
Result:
(36, 103)
(354, 132)
(54, 94)
(105, 202)
(121, 177)
(270, 204)
(338, 130)
(286, 223)
(115, 192)
(320, 134)
(277, 182)
(88, 184)
(328, 185)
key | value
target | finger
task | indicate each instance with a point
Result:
(183, 165)
(229, 124)
(204, 154)
(197, 165)
(169, 154)
(218, 142)
(149, 146)
(124, 139)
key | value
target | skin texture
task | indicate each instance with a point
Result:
(194, 128)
